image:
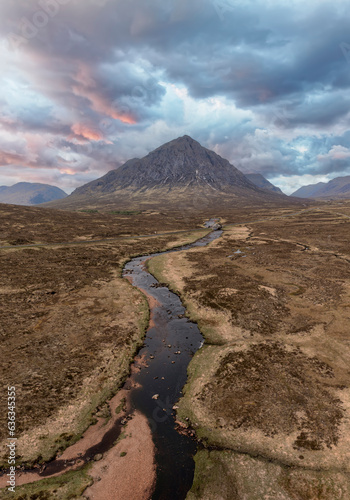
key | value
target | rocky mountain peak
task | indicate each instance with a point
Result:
(181, 167)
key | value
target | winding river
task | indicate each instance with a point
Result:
(154, 388)
(170, 343)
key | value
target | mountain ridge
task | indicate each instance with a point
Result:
(30, 193)
(339, 187)
(180, 173)
(181, 161)
(260, 181)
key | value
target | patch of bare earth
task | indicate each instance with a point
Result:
(127, 471)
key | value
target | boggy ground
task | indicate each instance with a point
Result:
(35, 225)
(69, 328)
(27, 225)
(270, 390)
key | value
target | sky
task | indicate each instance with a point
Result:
(89, 84)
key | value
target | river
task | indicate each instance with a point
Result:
(170, 343)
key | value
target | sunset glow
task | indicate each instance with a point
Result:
(103, 82)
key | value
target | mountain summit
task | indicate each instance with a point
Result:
(172, 174)
(29, 193)
(181, 163)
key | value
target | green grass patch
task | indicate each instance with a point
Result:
(210, 476)
(120, 407)
(236, 475)
(156, 266)
(125, 212)
(69, 486)
(122, 435)
(300, 289)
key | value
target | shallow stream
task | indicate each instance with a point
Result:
(156, 385)
(170, 343)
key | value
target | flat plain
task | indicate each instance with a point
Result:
(269, 393)
(70, 325)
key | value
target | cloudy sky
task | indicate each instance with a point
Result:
(88, 84)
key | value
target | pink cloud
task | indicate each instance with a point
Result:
(8, 158)
(336, 153)
(85, 86)
(80, 130)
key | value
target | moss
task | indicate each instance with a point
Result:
(235, 476)
(211, 477)
(69, 486)
(122, 435)
(121, 406)
(157, 267)
(124, 212)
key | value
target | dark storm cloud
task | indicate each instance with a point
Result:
(33, 120)
(320, 109)
(255, 74)
(249, 55)
(113, 79)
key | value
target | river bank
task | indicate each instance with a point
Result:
(269, 394)
(87, 448)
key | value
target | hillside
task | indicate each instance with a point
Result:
(27, 193)
(309, 191)
(180, 173)
(260, 181)
(336, 188)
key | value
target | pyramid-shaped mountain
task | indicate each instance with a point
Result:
(180, 163)
(171, 174)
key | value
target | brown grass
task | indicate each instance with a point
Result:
(70, 326)
(278, 385)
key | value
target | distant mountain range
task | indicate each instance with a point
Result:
(260, 181)
(28, 193)
(336, 188)
(179, 173)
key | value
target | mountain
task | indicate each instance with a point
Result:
(309, 191)
(27, 193)
(179, 174)
(336, 188)
(260, 181)
(180, 163)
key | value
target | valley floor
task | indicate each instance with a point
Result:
(269, 393)
(70, 327)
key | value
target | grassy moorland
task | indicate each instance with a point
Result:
(70, 324)
(269, 394)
